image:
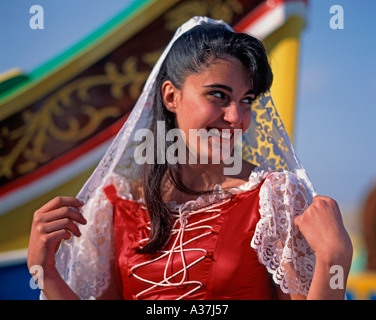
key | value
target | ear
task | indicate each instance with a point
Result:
(169, 96)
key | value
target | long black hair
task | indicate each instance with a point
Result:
(191, 54)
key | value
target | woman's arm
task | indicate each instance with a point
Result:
(307, 249)
(52, 223)
(56, 221)
(322, 226)
(55, 288)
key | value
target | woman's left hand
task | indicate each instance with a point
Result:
(322, 226)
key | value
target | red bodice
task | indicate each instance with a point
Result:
(217, 261)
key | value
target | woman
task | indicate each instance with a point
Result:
(191, 229)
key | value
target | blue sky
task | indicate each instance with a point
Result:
(335, 123)
(336, 112)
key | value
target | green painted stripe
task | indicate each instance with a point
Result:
(75, 50)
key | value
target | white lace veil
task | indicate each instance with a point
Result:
(84, 262)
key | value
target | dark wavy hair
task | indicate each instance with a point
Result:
(191, 54)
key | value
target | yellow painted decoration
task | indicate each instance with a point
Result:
(362, 286)
(283, 49)
(15, 224)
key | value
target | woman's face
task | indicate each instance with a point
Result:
(217, 100)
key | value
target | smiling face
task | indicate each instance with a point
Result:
(218, 100)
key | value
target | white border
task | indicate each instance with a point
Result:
(273, 19)
(13, 258)
(52, 180)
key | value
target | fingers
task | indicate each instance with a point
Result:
(322, 226)
(61, 202)
(53, 239)
(322, 204)
(323, 210)
(64, 223)
(64, 212)
(61, 213)
(59, 208)
(324, 200)
(56, 221)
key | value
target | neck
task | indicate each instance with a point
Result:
(204, 177)
(197, 178)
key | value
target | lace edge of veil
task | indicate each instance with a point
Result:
(84, 263)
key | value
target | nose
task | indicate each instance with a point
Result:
(232, 114)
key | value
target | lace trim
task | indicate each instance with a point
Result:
(84, 262)
(255, 178)
(279, 244)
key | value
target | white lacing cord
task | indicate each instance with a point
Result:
(178, 246)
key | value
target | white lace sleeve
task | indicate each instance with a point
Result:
(279, 244)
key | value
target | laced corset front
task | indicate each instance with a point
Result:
(208, 255)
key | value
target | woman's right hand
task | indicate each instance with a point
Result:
(52, 223)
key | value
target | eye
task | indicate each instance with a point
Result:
(217, 94)
(248, 100)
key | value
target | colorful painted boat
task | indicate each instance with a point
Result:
(57, 121)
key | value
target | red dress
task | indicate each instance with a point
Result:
(207, 257)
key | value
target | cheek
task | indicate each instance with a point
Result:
(246, 119)
(196, 114)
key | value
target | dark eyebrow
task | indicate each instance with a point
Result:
(250, 92)
(220, 86)
(229, 89)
